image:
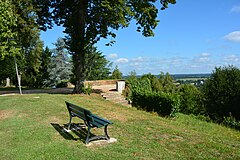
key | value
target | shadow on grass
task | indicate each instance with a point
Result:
(76, 129)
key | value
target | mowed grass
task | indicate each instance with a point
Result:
(29, 129)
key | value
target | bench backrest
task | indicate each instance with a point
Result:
(80, 112)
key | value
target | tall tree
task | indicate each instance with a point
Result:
(44, 75)
(116, 74)
(87, 21)
(98, 66)
(222, 93)
(60, 67)
(33, 62)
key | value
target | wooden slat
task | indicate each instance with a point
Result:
(101, 119)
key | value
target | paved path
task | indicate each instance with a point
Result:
(57, 90)
(108, 92)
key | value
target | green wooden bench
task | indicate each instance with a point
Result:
(90, 120)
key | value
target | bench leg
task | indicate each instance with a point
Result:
(69, 124)
(105, 131)
(88, 134)
(105, 137)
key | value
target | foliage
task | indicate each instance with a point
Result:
(222, 93)
(99, 66)
(60, 66)
(191, 100)
(33, 63)
(132, 79)
(231, 122)
(133, 84)
(165, 104)
(8, 22)
(87, 88)
(7, 68)
(164, 83)
(86, 22)
(167, 82)
(62, 84)
(154, 82)
(116, 73)
(152, 94)
(19, 36)
(44, 75)
(26, 27)
(147, 82)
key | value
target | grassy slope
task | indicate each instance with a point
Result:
(27, 132)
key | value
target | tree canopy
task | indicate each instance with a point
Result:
(7, 22)
(222, 93)
(98, 66)
(116, 74)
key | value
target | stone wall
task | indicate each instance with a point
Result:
(101, 82)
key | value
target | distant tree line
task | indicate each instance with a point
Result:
(217, 99)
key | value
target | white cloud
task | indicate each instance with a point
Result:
(139, 59)
(122, 60)
(202, 58)
(135, 64)
(194, 66)
(232, 58)
(112, 56)
(205, 54)
(235, 9)
(233, 36)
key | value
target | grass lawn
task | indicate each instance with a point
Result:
(27, 132)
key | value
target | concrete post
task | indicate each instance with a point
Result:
(7, 82)
(120, 86)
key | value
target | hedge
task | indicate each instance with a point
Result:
(165, 104)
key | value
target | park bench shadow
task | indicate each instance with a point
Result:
(77, 129)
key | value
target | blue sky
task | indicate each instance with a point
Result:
(190, 38)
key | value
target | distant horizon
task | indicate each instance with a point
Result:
(188, 74)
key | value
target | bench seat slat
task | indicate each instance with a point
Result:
(97, 122)
(101, 119)
(79, 114)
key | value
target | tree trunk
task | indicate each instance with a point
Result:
(79, 43)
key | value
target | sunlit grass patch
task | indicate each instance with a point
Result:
(33, 129)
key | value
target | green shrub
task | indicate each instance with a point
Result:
(87, 89)
(191, 100)
(222, 93)
(154, 82)
(231, 122)
(165, 104)
(167, 82)
(136, 85)
(152, 94)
